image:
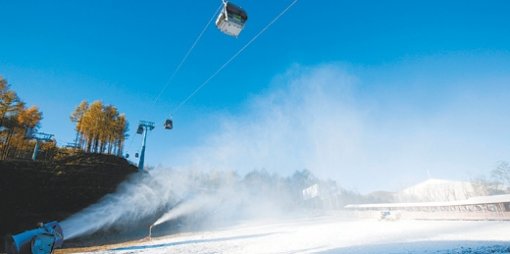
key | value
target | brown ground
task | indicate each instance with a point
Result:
(34, 192)
(100, 247)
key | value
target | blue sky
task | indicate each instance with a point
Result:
(414, 70)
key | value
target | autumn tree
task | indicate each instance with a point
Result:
(15, 121)
(9, 104)
(76, 117)
(100, 128)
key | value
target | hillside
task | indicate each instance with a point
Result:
(434, 190)
(34, 192)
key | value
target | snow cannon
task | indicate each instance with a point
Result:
(42, 240)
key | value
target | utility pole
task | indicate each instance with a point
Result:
(143, 128)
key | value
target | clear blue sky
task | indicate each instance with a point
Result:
(409, 58)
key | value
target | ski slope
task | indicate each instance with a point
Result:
(334, 234)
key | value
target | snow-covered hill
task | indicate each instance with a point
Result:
(333, 234)
(438, 190)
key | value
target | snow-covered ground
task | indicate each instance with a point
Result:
(334, 234)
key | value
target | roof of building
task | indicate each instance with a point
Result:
(471, 201)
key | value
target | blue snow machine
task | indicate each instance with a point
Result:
(42, 240)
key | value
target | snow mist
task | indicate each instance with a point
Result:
(187, 207)
(195, 198)
(323, 119)
(169, 194)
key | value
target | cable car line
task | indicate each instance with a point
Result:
(234, 56)
(187, 55)
(168, 123)
(232, 28)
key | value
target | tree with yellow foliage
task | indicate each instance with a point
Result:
(15, 121)
(100, 128)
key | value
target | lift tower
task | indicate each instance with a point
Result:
(143, 128)
(38, 137)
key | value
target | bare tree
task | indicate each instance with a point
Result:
(501, 176)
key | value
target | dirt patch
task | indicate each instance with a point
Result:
(33, 192)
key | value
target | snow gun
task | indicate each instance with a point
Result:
(42, 240)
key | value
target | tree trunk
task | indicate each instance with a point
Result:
(5, 152)
(96, 144)
(89, 145)
(120, 148)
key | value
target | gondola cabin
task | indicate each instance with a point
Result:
(231, 20)
(169, 124)
(139, 130)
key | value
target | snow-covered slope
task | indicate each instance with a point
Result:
(334, 234)
(438, 190)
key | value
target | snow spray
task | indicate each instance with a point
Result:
(306, 125)
(196, 199)
(140, 198)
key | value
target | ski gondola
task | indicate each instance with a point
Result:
(139, 130)
(169, 124)
(231, 19)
